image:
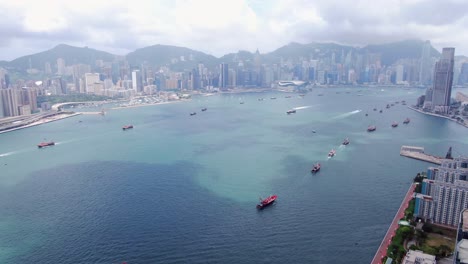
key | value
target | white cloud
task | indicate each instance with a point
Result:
(222, 26)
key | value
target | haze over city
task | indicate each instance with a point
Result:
(220, 27)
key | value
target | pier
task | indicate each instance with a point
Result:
(382, 251)
(418, 153)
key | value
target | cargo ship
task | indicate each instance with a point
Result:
(371, 128)
(316, 168)
(127, 127)
(266, 202)
(45, 144)
(293, 111)
(407, 120)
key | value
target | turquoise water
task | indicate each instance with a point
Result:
(180, 188)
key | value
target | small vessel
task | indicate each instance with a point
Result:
(367, 114)
(193, 113)
(403, 103)
(371, 128)
(388, 106)
(319, 94)
(204, 109)
(260, 99)
(380, 111)
(272, 98)
(302, 95)
(407, 120)
(331, 153)
(241, 102)
(394, 124)
(316, 168)
(45, 144)
(287, 96)
(293, 111)
(375, 109)
(266, 202)
(127, 127)
(313, 131)
(345, 142)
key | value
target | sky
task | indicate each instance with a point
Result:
(219, 27)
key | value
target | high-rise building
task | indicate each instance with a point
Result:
(400, 74)
(10, 99)
(463, 77)
(426, 64)
(444, 194)
(460, 255)
(223, 75)
(137, 81)
(61, 67)
(90, 80)
(438, 95)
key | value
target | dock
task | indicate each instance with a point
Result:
(418, 153)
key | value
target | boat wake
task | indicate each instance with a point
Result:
(7, 154)
(347, 114)
(302, 107)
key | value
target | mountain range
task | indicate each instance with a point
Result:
(181, 58)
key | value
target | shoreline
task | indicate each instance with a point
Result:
(41, 121)
(436, 115)
(139, 105)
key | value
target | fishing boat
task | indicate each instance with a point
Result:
(127, 127)
(316, 168)
(345, 142)
(331, 153)
(266, 202)
(45, 144)
(371, 128)
(407, 120)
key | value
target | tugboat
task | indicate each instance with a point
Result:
(346, 141)
(293, 111)
(127, 127)
(331, 153)
(266, 202)
(203, 109)
(45, 144)
(193, 113)
(394, 124)
(407, 120)
(316, 168)
(371, 128)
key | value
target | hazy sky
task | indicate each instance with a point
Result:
(218, 27)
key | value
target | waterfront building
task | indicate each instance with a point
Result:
(438, 95)
(418, 257)
(460, 255)
(90, 80)
(426, 64)
(223, 75)
(444, 194)
(137, 81)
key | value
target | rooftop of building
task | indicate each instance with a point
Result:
(465, 220)
(417, 256)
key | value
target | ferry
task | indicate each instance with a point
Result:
(316, 168)
(371, 128)
(346, 141)
(266, 202)
(331, 153)
(193, 113)
(45, 144)
(127, 127)
(204, 109)
(293, 111)
(407, 120)
(394, 124)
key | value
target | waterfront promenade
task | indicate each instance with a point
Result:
(382, 250)
(437, 115)
(418, 153)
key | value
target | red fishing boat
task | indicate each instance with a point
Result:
(266, 202)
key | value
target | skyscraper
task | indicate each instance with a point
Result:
(223, 75)
(425, 65)
(438, 96)
(137, 81)
(61, 66)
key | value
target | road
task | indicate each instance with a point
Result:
(382, 251)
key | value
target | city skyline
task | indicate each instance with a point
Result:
(205, 26)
